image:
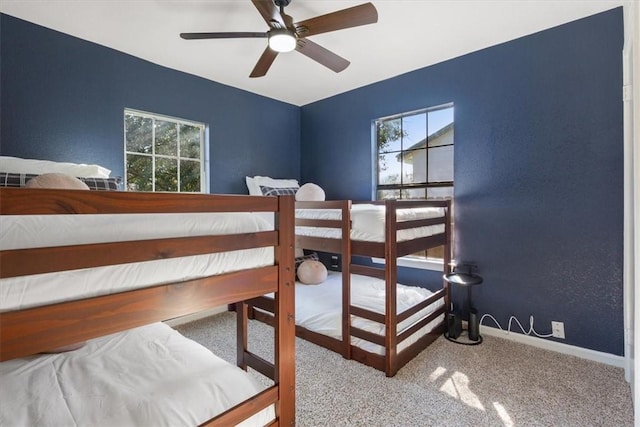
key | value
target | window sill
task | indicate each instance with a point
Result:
(423, 264)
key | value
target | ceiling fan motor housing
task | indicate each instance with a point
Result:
(282, 3)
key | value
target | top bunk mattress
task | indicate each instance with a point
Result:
(33, 231)
(147, 376)
(368, 222)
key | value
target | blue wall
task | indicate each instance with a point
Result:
(538, 170)
(538, 155)
(63, 99)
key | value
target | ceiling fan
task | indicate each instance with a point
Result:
(284, 35)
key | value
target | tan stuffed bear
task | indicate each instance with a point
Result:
(312, 272)
(59, 181)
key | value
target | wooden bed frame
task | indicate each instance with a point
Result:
(389, 250)
(29, 331)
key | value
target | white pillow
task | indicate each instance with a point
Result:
(39, 167)
(254, 183)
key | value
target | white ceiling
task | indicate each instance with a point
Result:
(410, 34)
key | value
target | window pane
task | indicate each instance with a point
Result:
(190, 176)
(190, 142)
(166, 138)
(443, 137)
(415, 166)
(139, 173)
(440, 193)
(389, 135)
(138, 133)
(166, 174)
(388, 194)
(438, 120)
(389, 168)
(414, 193)
(441, 164)
(415, 131)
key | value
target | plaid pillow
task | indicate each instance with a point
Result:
(102, 184)
(278, 191)
(10, 179)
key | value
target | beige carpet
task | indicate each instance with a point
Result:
(497, 383)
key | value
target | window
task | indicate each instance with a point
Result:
(415, 158)
(163, 153)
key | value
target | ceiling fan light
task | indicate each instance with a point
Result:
(282, 41)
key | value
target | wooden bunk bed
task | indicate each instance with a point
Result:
(27, 331)
(338, 236)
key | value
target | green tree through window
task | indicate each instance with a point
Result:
(163, 153)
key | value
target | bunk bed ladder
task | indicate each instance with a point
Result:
(285, 332)
(282, 371)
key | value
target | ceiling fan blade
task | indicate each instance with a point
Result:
(269, 12)
(346, 18)
(322, 55)
(232, 35)
(263, 64)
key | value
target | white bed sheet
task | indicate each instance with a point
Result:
(319, 308)
(28, 231)
(368, 222)
(147, 376)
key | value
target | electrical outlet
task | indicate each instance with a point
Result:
(557, 329)
(335, 263)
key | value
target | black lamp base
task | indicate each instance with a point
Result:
(463, 339)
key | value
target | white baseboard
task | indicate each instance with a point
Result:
(583, 353)
(195, 316)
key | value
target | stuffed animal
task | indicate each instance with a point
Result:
(310, 193)
(312, 272)
(59, 181)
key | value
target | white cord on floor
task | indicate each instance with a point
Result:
(511, 319)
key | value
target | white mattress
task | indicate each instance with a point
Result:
(17, 232)
(148, 376)
(319, 308)
(368, 222)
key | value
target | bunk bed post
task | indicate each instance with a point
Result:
(346, 279)
(391, 280)
(284, 312)
(241, 334)
(447, 256)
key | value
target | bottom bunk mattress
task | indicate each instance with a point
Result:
(319, 308)
(147, 376)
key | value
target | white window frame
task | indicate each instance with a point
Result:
(432, 264)
(204, 154)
